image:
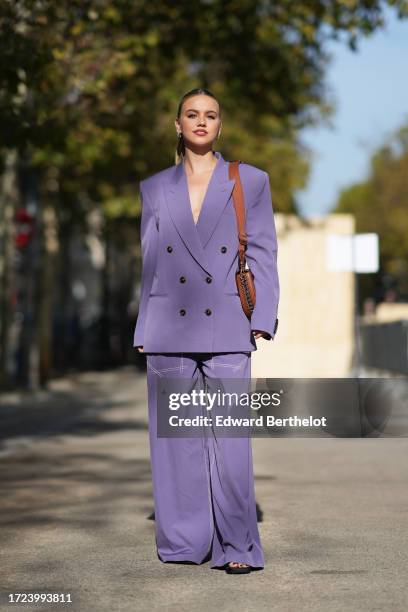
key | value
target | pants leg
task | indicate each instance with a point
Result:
(183, 517)
(236, 536)
(203, 487)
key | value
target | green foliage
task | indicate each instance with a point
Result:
(89, 88)
(380, 203)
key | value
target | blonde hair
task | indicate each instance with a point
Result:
(181, 149)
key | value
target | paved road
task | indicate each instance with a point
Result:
(76, 499)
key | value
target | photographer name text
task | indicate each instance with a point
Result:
(268, 420)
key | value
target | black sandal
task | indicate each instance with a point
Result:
(237, 570)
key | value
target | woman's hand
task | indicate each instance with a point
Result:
(257, 334)
(140, 349)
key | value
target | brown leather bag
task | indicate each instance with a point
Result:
(244, 277)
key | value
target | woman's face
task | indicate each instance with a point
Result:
(199, 120)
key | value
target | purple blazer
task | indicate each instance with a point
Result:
(189, 299)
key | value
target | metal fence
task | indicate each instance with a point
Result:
(384, 346)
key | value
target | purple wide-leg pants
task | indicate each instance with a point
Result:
(203, 486)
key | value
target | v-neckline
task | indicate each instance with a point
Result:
(205, 194)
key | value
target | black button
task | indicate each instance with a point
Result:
(182, 279)
(182, 312)
(169, 248)
(209, 279)
(208, 312)
(223, 249)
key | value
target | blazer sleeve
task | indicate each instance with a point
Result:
(149, 243)
(261, 254)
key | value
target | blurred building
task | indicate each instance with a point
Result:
(316, 311)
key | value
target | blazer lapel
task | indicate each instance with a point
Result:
(219, 189)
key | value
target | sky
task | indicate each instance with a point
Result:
(370, 91)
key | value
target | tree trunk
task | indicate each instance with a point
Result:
(8, 203)
(46, 291)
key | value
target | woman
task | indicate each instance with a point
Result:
(191, 325)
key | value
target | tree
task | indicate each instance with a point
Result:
(89, 90)
(380, 205)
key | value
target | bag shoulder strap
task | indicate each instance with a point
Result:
(238, 197)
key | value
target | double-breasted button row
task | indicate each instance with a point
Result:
(223, 249)
(183, 311)
(183, 279)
